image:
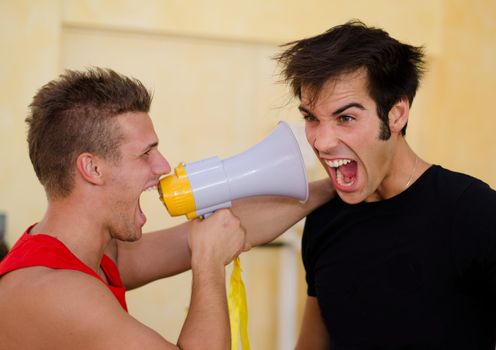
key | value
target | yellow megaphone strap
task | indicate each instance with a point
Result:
(238, 310)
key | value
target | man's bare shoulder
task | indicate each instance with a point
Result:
(44, 308)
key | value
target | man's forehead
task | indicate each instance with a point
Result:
(137, 127)
(355, 82)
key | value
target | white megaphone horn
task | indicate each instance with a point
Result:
(274, 166)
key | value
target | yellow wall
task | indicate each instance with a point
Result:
(209, 64)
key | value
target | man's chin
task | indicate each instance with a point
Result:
(137, 235)
(131, 236)
(350, 197)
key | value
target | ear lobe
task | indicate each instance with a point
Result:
(89, 167)
(398, 115)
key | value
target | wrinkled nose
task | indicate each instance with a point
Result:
(322, 138)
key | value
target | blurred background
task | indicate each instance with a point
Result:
(217, 92)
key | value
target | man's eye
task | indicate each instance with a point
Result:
(309, 118)
(345, 118)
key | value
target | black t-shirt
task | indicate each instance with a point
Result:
(417, 271)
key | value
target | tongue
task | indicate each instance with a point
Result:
(349, 170)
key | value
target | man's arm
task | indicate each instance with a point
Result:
(213, 247)
(77, 311)
(165, 252)
(71, 310)
(313, 333)
(84, 314)
(266, 218)
(156, 255)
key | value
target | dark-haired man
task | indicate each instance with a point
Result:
(405, 256)
(62, 286)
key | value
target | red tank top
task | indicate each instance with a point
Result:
(44, 250)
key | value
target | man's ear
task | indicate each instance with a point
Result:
(90, 168)
(398, 115)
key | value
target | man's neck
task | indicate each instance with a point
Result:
(404, 169)
(78, 226)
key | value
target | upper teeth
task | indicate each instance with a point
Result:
(154, 188)
(337, 163)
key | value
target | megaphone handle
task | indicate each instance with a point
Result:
(204, 216)
(206, 212)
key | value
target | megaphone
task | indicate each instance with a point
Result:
(274, 166)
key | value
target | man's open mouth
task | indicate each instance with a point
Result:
(345, 170)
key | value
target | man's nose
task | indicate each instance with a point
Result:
(324, 138)
(162, 165)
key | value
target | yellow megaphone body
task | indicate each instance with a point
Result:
(272, 167)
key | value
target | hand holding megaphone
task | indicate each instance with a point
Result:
(272, 167)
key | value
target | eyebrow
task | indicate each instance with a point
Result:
(304, 110)
(349, 105)
(337, 111)
(150, 146)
